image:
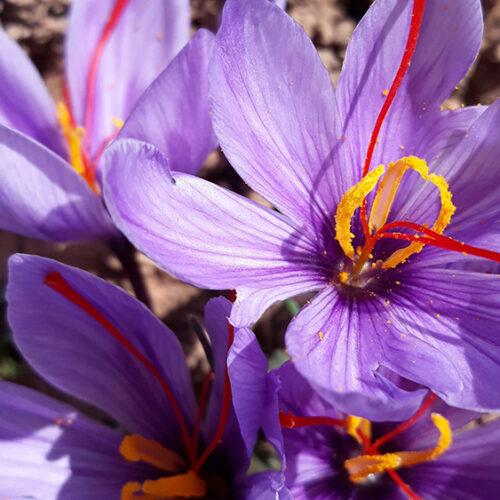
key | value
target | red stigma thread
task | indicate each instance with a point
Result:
(224, 413)
(402, 427)
(405, 487)
(111, 23)
(55, 281)
(411, 44)
(201, 410)
(289, 421)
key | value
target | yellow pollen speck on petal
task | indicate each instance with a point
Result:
(117, 122)
(385, 92)
(350, 202)
(320, 335)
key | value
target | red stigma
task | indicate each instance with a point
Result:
(289, 421)
(111, 23)
(411, 44)
(224, 413)
(56, 282)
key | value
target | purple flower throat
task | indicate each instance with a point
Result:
(78, 137)
(375, 228)
(364, 467)
(185, 479)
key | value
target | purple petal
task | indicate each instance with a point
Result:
(455, 332)
(470, 468)
(158, 29)
(202, 233)
(267, 485)
(48, 450)
(274, 109)
(338, 345)
(373, 57)
(41, 196)
(173, 113)
(90, 363)
(232, 446)
(23, 91)
(247, 367)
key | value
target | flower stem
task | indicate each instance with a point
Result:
(126, 254)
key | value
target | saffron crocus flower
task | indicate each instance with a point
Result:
(97, 343)
(381, 311)
(331, 456)
(51, 171)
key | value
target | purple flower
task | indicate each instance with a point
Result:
(432, 456)
(51, 169)
(302, 146)
(95, 342)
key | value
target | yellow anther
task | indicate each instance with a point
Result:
(388, 187)
(360, 467)
(73, 136)
(353, 424)
(442, 221)
(352, 200)
(354, 197)
(135, 448)
(187, 485)
(129, 492)
(409, 458)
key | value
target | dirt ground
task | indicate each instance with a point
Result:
(39, 26)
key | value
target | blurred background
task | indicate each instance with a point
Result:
(39, 27)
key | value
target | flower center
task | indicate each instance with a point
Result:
(366, 466)
(181, 482)
(372, 462)
(355, 198)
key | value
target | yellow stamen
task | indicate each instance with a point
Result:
(352, 200)
(354, 423)
(135, 448)
(187, 485)
(354, 197)
(442, 221)
(360, 467)
(409, 458)
(129, 492)
(388, 187)
(73, 136)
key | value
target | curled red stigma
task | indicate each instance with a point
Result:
(55, 281)
(411, 44)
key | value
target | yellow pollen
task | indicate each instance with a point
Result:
(73, 135)
(117, 122)
(360, 467)
(384, 198)
(352, 200)
(353, 424)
